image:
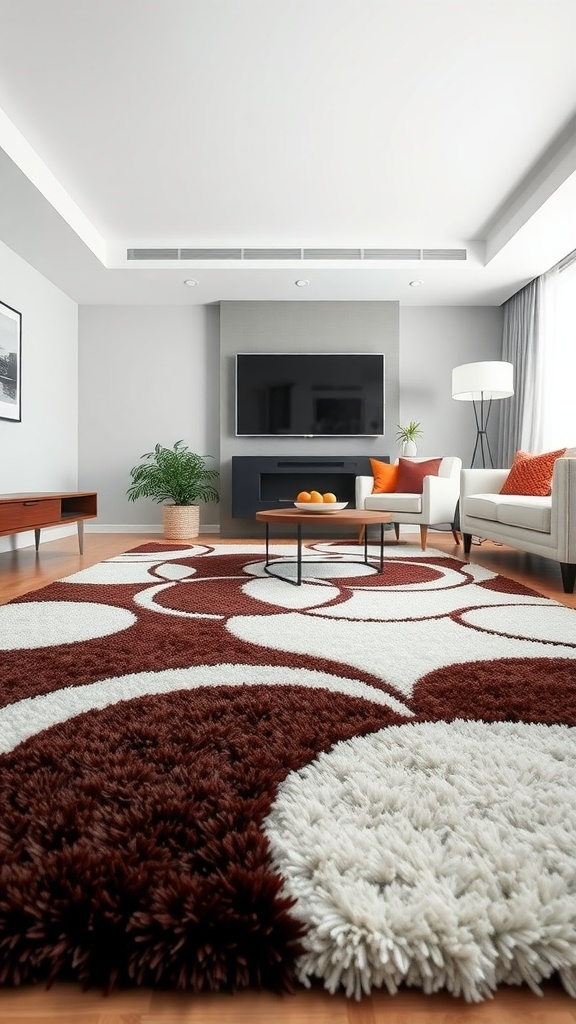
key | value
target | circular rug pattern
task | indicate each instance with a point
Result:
(437, 855)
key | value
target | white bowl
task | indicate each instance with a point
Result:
(320, 506)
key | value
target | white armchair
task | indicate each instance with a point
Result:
(436, 505)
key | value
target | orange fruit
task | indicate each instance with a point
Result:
(316, 496)
(304, 496)
(329, 497)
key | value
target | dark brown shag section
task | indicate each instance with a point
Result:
(131, 842)
(506, 690)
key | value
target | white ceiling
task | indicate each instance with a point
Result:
(301, 123)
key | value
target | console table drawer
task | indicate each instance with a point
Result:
(31, 513)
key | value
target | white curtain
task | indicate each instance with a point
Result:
(557, 428)
(539, 339)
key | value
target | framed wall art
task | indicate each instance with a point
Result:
(10, 363)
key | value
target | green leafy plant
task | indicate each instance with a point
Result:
(409, 433)
(173, 474)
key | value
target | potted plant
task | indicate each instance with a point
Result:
(406, 437)
(179, 476)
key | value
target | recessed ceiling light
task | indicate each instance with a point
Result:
(190, 282)
(302, 282)
(416, 284)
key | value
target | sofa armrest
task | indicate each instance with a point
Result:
(439, 497)
(364, 485)
(482, 481)
(564, 507)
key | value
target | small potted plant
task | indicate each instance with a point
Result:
(177, 476)
(406, 437)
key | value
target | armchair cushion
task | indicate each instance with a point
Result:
(531, 474)
(385, 476)
(411, 475)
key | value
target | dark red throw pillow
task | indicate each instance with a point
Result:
(411, 474)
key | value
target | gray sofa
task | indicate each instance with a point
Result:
(542, 526)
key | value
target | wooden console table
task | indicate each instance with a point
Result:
(34, 511)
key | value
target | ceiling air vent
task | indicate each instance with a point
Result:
(391, 254)
(152, 254)
(209, 254)
(444, 254)
(272, 254)
(296, 254)
(332, 254)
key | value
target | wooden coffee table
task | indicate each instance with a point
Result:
(353, 517)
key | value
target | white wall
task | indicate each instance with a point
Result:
(147, 374)
(41, 452)
(434, 339)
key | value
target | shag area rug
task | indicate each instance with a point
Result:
(213, 779)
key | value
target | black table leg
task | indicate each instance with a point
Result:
(267, 532)
(299, 555)
(381, 548)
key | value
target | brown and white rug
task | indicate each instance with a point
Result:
(212, 779)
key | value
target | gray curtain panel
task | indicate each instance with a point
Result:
(522, 343)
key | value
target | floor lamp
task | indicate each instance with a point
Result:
(481, 384)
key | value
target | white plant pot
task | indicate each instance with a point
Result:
(409, 448)
(181, 522)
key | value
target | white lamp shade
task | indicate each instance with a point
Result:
(476, 382)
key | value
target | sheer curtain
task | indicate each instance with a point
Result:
(539, 339)
(520, 416)
(558, 325)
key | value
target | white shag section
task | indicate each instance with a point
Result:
(49, 623)
(285, 595)
(313, 568)
(27, 717)
(116, 573)
(420, 602)
(437, 855)
(556, 622)
(398, 653)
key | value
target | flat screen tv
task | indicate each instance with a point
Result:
(297, 394)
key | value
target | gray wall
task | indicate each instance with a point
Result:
(147, 374)
(305, 327)
(41, 452)
(434, 339)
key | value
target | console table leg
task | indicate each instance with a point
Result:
(81, 535)
(381, 548)
(37, 538)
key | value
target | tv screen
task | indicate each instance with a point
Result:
(309, 394)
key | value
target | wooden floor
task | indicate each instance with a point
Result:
(22, 571)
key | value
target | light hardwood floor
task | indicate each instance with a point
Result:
(23, 571)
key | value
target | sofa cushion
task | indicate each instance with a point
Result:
(530, 513)
(385, 476)
(411, 474)
(531, 474)
(394, 502)
(482, 506)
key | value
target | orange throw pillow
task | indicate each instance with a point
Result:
(531, 474)
(411, 474)
(385, 477)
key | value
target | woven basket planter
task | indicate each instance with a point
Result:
(181, 521)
